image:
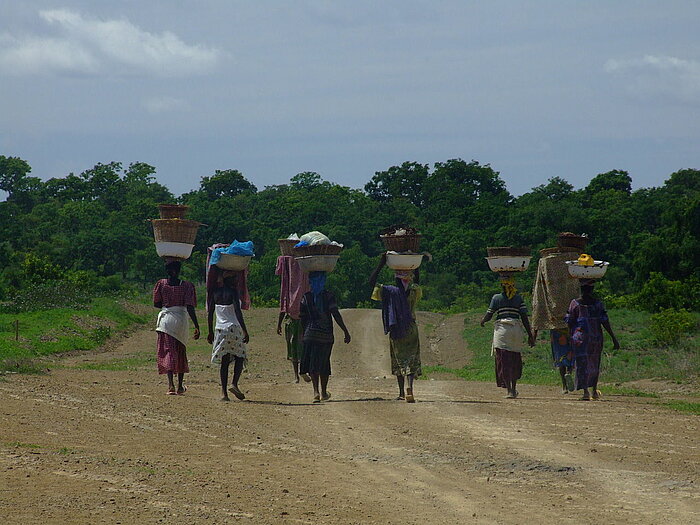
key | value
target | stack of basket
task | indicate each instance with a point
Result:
(173, 234)
(402, 245)
(506, 260)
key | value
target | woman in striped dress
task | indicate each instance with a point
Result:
(508, 334)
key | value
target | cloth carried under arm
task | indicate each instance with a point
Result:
(396, 312)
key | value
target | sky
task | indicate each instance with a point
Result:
(535, 89)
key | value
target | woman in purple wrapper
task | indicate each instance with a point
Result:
(399, 318)
(586, 318)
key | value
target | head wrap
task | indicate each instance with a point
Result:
(508, 284)
(317, 282)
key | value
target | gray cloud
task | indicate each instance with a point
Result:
(659, 75)
(90, 45)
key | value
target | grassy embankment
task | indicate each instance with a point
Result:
(46, 332)
(638, 358)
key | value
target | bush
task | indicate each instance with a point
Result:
(669, 325)
(49, 294)
(660, 293)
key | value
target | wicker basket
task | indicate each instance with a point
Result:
(173, 211)
(401, 243)
(287, 245)
(175, 230)
(571, 240)
(317, 249)
(508, 251)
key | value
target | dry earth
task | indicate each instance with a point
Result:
(81, 445)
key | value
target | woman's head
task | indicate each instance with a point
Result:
(228, 278)
(405, 277)
(587, 286)
(508, 287)
(172, 268)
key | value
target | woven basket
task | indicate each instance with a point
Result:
(287, 245)
(571, 240)
(508, 251)
(175, 230)
(401, 243)
(173, 211)
(317, 249)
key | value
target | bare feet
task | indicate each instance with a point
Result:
(326, 396)
(225, 398)
(236, 392)
(296, 380)
(306, 377)
(317, 398)
(181, 390)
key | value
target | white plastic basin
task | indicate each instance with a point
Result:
(587, 272)
(403, 261)
(228, 261)
(317, 263)
(504, 263)
(180, 250)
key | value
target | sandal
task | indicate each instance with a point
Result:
(326, 396)
(306, 377)
(585, 397)
(172, 392)
(236, 392)
(597, 394)
(317, 399)
(184, 389)
(409, 396)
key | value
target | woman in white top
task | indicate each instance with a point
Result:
(230, 336)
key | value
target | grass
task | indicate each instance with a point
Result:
(129, 363)
(638, 358)
(58, 330)
(684, 406)
(19, 444)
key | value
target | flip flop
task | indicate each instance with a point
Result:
(184, 389)
(317, 399)
(236, 392)
(306, 377)
(171, 392)
(326, 397)
(597, 394)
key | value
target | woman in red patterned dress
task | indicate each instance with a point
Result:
(176, 299)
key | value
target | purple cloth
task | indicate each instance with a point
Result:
(396, 313)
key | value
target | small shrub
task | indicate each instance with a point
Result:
(669, 325)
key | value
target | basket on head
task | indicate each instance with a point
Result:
(287, 245)
(317, 263)
(401, 243)
(235, 263)
(317, 249)
(175, 230)
(571, 240)
(173, 211)
(508, 251)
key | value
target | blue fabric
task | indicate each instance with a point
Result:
(300, 244)
(235, 248)
(317, 282)
(396, 313)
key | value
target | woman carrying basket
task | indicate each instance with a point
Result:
(399, 318)
(177, 299)
(508, 334)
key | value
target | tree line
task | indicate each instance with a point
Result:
(92, 228)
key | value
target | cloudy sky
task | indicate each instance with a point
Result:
(346, 88)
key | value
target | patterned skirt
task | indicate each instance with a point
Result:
(509, 367)
(316, 359)
(172, 355)
(229, 342)
(405, 353)
(562, 353)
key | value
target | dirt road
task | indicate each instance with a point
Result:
(97, 441)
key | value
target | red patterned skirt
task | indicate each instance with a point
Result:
(172, 355)
(509, 367)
